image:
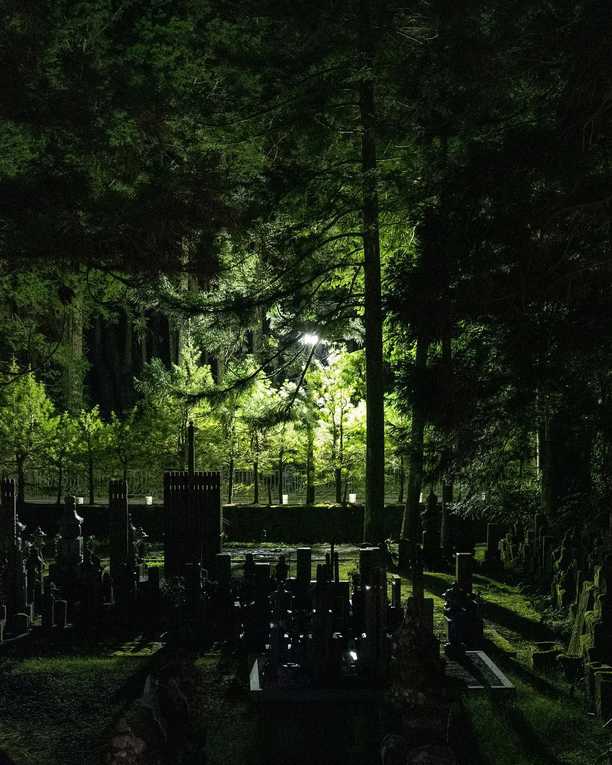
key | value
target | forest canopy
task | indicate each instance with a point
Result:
(362, 243)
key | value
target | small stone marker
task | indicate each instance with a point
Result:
(369, 562)
(21, 623)
(282, 569)
(262, 581)
(61, 613)
(223, 567)
(464, 563)
(304, 565)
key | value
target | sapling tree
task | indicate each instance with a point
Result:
(260, 415)
(92, 442)
(353, 464)
(63, 448)
(26, 422)
(176, 396)
(307, 417)
(126, 441)
(336, 396)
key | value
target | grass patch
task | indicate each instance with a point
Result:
(534, 729)
(58, 710)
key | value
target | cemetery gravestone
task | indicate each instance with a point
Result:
(192, 505)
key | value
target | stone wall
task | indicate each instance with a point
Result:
(245, 523)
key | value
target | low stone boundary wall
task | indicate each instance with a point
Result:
(249, 523)
(243, 523)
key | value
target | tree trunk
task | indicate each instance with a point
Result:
(255, 482)
(72, 372)
(447, 484)
(60, 483)
(173, 343)
(258, 334)
(338, 482)
(411, 521)
(402, 480)
(545, 464)
(567, 441)
(375, 414)
(20, 460)
(447, 500)
(127, 378)
(230, 481)
(310, 489)
(142, 339)
(269, 485)
(281, 472)
(90, 476)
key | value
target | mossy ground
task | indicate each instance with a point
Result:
(59, 709)
(542, 723)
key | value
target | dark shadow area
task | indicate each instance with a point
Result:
(530, 740)
(326, 734)
(524, 627)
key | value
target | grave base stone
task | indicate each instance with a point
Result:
(543, 656)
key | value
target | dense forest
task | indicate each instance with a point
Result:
(348, 240)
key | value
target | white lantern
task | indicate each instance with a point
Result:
(352, 498)
(148, 499)
(80, 500)
(285, 499)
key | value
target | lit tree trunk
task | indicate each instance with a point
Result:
(338, 470)
(281, 473)
(230, 481)
(402, 480)
(256, 482)
(60, 483)
(375, 415)
(20, 460)
(90, 474)
(338, 483)
(310, 489)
